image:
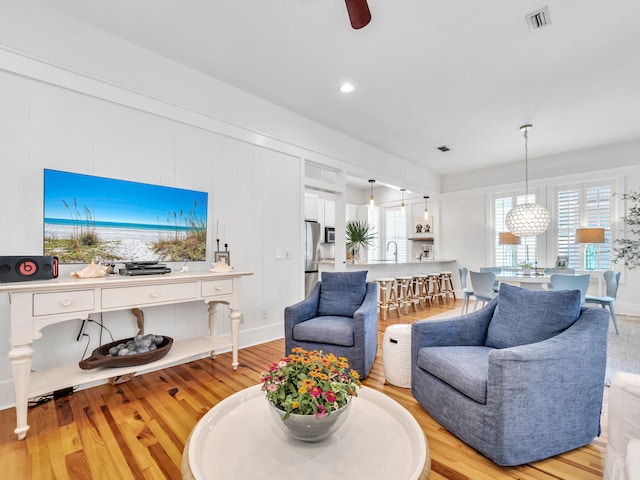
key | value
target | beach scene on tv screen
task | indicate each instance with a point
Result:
(89, 218)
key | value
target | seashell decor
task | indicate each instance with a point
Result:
(221, 266)
(93, 270)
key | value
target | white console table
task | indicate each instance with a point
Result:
(34, 305)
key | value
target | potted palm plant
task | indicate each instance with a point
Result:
(360, 236)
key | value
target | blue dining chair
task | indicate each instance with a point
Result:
(497, 271)
(482, 285)
(570, 282)
(611, 280)
(468, 293)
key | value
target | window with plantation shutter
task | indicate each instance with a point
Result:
(395, 229)
(504, 254)
(568, 218)
(584, 205)
(373, 252)
(511, 256)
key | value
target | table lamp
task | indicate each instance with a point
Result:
(508, 238)
(590, 236)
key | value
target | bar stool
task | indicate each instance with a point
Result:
(447, 286)
(388, 296)
(405, 293)
(435, 292)
(421, 290)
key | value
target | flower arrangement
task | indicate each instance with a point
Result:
(310, 383)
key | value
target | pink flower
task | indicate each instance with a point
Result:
(330, 396)
(272, 388)
(315, 392)
(321, 411)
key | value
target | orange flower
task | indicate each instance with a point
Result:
(307, 383)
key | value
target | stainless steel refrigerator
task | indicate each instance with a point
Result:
(311, 255)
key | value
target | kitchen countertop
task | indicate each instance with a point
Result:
(392, 263)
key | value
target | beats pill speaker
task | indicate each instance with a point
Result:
(22, 269)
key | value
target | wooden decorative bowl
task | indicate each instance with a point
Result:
(100, 356)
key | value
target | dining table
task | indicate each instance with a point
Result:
(531, 281)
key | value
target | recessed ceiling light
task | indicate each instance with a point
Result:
(347, 87)
(443, 148)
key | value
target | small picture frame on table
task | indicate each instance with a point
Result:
(562, 261)
(226, 256)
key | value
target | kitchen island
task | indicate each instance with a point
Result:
(389, 268)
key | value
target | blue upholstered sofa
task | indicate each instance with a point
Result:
(339, 316)
(519, 380)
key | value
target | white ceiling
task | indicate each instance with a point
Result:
(463, 73)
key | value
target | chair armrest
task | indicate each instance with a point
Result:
(366, 315)
(469, 329)
(370, 302)
(567, 364)
(303, 310)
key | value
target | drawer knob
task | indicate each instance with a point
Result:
(218, 288)
(65, 302)
(155, 294)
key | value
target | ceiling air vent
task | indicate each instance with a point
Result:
(444, 148)
(538, 19)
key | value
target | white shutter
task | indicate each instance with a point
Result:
(373, 252)
(598, 212)
(511, 256)
(395, 229)
(568, 218)
(505, 255)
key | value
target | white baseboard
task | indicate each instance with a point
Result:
(7, 399)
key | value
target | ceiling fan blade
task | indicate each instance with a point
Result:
(359, 14)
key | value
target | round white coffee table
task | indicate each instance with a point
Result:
(238, 438)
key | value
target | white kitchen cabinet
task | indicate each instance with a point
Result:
(328, 209)
(311, 207)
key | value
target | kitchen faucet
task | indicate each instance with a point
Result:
(395, 253)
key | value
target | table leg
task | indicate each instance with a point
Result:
(235, 316)
(21, 356)
(212, 308)
(213, 317)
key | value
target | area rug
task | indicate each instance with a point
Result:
(623, 351)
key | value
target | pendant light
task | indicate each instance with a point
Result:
(529, 218)
(371, 201)
(402, 209)
(426, 209)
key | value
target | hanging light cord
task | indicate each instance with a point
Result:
(526, 161)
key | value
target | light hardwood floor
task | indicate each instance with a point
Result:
(137, 430)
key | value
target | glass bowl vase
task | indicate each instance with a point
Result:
(310, 428)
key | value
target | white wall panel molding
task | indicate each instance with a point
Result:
(26, 66)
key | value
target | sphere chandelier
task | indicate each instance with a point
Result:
(527, 219)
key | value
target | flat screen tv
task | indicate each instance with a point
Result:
(104, 219)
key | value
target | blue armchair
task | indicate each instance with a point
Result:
(339, 316)
(519, 380)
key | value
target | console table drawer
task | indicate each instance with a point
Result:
(62, 302)
(217, 287)
(147, 294)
